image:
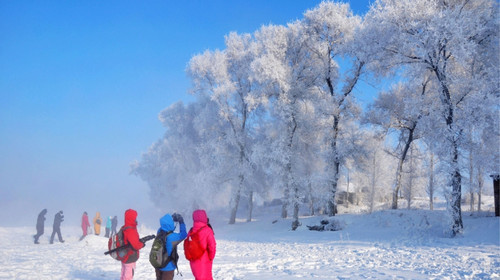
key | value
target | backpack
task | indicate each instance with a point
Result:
(192, 246)
(158, 256)
(116, 241)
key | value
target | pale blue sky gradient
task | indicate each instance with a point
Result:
(81, 86)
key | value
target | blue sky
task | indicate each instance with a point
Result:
(82, 83)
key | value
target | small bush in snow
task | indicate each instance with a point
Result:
(328, 225)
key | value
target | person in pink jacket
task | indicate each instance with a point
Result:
(85, 225)
(202, 267)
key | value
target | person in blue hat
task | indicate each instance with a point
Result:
(173, 239)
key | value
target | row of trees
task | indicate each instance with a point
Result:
(276, 111)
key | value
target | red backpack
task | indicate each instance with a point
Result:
(125, 254)
(193, 249)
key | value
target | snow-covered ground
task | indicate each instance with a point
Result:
(399, 244)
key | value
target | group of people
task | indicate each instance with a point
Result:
(56, 227)
(111, 225)
(201, 267)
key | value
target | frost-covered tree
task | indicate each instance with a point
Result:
(226, 78)
(471, 185)
(398, 112)
(330, 39)
(379, 171)
(430, 163)
(372, 170)
(414, 175)
(480, 183)
(286, 77)
(482, 156)
(276, 108)
(441, 39)
(173, 166)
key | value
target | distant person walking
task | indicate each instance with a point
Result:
(202, 267)
(85, 225)
(108, 226)
(97, 223)
(130, 236)
(56, 228)
(40, 225)
(114, 224)
(172, 240)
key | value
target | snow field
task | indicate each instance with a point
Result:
(401, 244)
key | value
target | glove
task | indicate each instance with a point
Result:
(177, 218)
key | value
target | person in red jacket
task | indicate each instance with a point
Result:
(130, 236)
(85, 225)
(202, 267)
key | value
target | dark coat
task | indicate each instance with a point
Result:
(114, 223)
(58, 219)
(41, 220)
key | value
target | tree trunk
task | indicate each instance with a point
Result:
(373, 182)
(295, 223)
(410, 181)
(346, 91)
(286, 199)
(288, 170)
(250, 206)
(311, 201)
(399, 176)
(234, 209)
(456, 177)
(332, 205)
(431, 182)
(453, 134)
(480, 183)
(456, 183)
(236, 202)
(471, 201)
(399, 172)
(347, 200)
(471, 179)
(396, 189)
(241, 176)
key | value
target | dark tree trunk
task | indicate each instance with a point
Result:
(399, 172)
(250, 206)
